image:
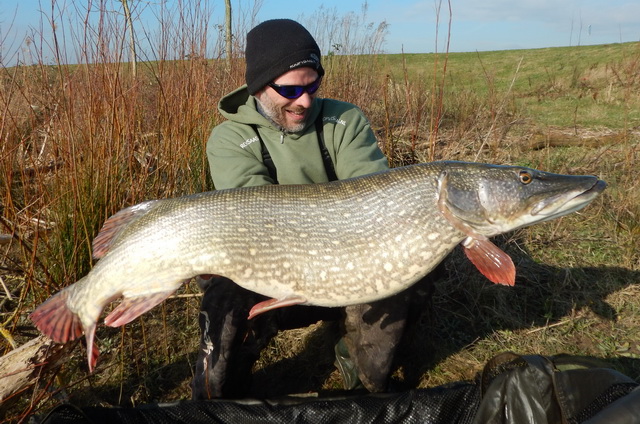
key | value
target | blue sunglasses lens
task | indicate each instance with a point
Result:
(295, 91)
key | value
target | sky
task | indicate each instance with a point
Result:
(475, 25)
(492, 24)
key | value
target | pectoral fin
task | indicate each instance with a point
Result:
(270, 304)
(492, 262)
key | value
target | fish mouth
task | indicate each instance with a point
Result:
(568, 202)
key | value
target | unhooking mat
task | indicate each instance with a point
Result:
(511, 389)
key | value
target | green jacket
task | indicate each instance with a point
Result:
(235, 155)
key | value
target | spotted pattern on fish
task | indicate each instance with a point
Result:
(333, 244)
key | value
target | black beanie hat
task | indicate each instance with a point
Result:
(278, 46)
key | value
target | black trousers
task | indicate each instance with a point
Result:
(230, 344)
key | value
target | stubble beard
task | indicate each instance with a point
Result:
(277, 115)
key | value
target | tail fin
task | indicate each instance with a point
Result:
(92, 349)
(55, 320)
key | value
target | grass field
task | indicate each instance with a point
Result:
(578, 86)
(78, 143)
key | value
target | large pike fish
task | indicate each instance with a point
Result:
(334, 244)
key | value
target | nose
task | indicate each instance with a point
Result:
(305, 100)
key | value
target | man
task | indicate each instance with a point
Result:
(278, 132)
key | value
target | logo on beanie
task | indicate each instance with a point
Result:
(313, 60)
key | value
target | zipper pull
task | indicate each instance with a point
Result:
(282, 137)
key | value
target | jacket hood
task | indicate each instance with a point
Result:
(239, 106)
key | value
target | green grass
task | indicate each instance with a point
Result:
(588, 86)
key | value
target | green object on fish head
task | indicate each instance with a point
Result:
(493, 199)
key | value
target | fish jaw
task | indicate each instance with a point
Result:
(564, 204)
(554, 206)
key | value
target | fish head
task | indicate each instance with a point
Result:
(493, 199)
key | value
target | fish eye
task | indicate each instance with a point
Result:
(525, 177)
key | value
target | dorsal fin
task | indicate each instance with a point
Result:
(115, 224)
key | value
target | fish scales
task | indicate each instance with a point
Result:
(334, 244)
(337, 244)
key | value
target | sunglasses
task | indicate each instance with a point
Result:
(295, 91)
